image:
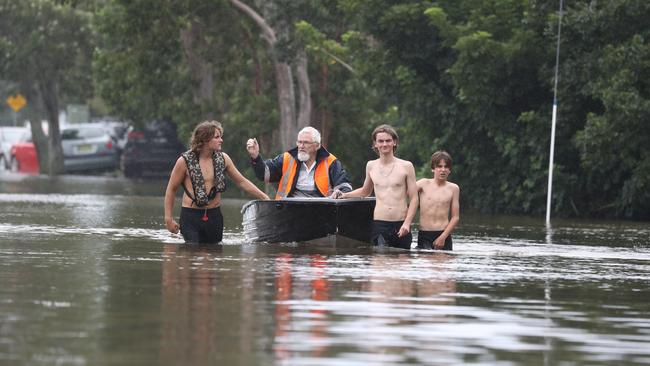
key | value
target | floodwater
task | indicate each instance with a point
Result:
(89, 276)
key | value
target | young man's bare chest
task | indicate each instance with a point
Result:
(388, 177)
(434, 198)
(207, 170)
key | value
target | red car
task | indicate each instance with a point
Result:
(23, 156)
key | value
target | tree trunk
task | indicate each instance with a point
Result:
(39, 139)
(325, 120)
(200, 69)
(289, 122)
(286, 102)
(304, 91)
(50, 99)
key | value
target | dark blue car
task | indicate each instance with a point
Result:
(151, 151)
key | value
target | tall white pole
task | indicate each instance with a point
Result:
(549, 192)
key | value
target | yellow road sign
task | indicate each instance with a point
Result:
(16, 102)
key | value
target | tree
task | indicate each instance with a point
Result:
(186, 61)
(609, 71)
(475, 77)
(277, 30)
(472, 77)
(47, 50)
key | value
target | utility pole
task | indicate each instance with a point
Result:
(553, 121)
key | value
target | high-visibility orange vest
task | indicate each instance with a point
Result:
(290, 168)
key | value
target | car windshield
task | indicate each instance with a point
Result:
(81, 133)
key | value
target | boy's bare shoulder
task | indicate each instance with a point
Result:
(423, 182)
(453, 186)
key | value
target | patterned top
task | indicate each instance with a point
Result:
(201, 196)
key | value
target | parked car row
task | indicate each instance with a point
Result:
(93, 147)
(85, 149)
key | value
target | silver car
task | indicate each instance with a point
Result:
(8, 136)
(88, 148)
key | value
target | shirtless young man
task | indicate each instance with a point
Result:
(200, 171)
(393, 181)
(438, 200)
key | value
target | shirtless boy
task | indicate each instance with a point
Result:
(438, 201)
(393, 181)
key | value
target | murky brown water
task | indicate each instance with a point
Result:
(89, 276)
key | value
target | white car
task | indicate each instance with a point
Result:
(8, 136)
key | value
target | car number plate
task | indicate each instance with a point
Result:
(84, 149)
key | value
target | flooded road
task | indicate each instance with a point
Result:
(90, 277)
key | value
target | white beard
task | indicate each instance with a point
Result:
(303, 156)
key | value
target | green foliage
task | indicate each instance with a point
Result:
(46, 51)
(42, 43)
(143, 73)
(473, 77)
(476, 77)
(136, 66)
(614, 143)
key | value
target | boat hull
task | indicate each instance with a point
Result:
(304, 219)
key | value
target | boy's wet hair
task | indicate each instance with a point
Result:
(438, 156)
(203, 133)
(385, 129)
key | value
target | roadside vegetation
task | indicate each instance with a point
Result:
(472, 77)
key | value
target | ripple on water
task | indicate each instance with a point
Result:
(495, 299)
(38, 231)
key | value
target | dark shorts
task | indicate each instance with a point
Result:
(426, 239)
(384, 233)
(195, 230)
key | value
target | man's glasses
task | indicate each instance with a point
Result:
(299, 142)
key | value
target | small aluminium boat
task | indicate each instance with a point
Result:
(305, 219)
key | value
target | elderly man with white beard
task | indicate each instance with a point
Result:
(308, 170)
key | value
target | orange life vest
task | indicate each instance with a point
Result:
(290, 168)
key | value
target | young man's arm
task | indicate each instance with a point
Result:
(243, 183)
(439, 243)
(412, 193)
(175, 180)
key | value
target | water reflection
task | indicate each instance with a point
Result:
(549, 233)
(320, 315)
(188, 311)
(283, 287)
(409, 302)
(314, 321)
(92, 277)
(435, 286)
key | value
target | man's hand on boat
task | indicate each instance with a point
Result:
(337, 194)
(253, 148)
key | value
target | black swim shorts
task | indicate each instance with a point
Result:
(384, 233)
(426, 239)
(199, 225)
